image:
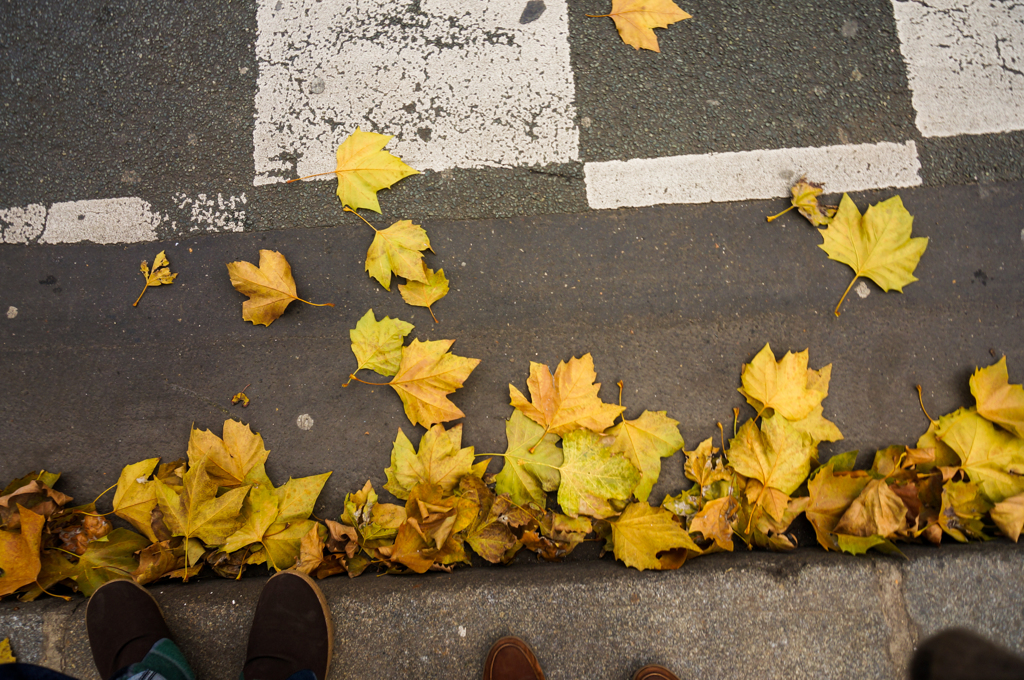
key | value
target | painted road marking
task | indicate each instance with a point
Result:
(460, 83)
(120, 220)
(965, 63)
(745, 175)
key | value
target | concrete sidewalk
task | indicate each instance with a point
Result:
(806, 614)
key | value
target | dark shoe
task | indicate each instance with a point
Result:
(512, 659)
(654, 673)
(291, 630)
(958, 654)
(124, 622)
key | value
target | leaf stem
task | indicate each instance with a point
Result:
(597, 16)
(101, 496)
(920, 398)
(348, 209)
(836, 312)
(775, 217)
(721, 431)
(735, 421)
(353, 377)
(325, 304)
(432, 314)
(319, 174)
(136, 303)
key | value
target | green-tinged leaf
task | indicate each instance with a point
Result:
(108, 558)
(644, 442)
(858, 545)
(283, 542)
(531, 462)
(377, 345)
(592, 475)
(992, 458)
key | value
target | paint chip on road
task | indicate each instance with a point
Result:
(305, 422)
(862, 290)
(746, 175)
(22, 225)
(12, 312)
(460, 83)
(965, 64)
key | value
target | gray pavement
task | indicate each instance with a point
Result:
(752, 615)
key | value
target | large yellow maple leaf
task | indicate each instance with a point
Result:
(786, 386)
(877, 245)
(427, 374)
(441, 460)
(636, 19)
(566, 401)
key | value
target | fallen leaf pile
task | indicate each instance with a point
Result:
(877, 244)
(570, 473)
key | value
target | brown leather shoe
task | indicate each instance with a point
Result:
(291, 630)
(512, 659)
(124, 622)
(653, 672)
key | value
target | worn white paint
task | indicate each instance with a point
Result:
(305, 422)
(206, 212)
(965, 61)
(22, 225)
(12, 312)
(111, 220)
(744, 175)
(862, 290)
(460, 83)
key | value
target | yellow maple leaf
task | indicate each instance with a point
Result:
(998, 400)
(427, 374)
(270, 287)
(364, 168)
(236, 460)
(160, 276)
(641, 532)
(636, 19)
(566, 401)
(786, 386)
(877, 245)
(441, 460)
(399, 250)
(645, 441)
(426, 293)
(777, 457)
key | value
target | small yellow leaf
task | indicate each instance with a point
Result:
(378, 344)
(426, 293)
(160, 276)
(398, 250)
(805, 199)
(270, 287)
(6, 655)
(998, 400)
(635, 20)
